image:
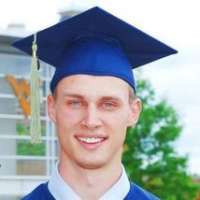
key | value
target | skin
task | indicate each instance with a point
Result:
(99, 107)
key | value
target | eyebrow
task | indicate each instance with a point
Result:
(74, 95)
(110, 98)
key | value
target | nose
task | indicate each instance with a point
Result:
(91, 118)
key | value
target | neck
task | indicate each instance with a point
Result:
(84, 181)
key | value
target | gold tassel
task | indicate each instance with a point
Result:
(35, 128)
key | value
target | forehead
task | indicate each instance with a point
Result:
(93, 86)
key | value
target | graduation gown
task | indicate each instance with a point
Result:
(135, 193)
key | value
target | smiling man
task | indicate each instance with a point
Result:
(92, 102)
(91, 124)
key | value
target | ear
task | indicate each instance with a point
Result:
(51, 108)
(135, 109)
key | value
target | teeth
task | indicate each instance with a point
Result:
(90, 139)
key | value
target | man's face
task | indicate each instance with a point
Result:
(91, 114)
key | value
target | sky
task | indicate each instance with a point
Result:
(175, 22)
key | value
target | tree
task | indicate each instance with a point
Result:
(149, 154)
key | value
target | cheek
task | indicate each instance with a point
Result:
(65, 117)
(121, 117)
(66, 124)
(117, 121)
(118, 132)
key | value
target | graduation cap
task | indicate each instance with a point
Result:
(95, 43)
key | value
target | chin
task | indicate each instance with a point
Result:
(92, 165)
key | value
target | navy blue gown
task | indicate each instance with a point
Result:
(135, 193)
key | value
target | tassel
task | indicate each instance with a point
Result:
(35, 127)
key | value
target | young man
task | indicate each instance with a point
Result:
(93, 102)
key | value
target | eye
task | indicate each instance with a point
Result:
(74, 103)
(109, 105)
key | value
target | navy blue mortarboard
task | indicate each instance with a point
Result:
(95, 43)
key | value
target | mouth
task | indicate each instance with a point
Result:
(91, 142)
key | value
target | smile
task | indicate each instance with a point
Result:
(90, 140)
(91, 143)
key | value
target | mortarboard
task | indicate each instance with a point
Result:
(96, 43)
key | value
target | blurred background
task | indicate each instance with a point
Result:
(176, 79)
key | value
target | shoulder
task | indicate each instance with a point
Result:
(138, 193)
(39, 193)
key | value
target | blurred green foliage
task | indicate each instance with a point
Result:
(149, 155)
(24, 147)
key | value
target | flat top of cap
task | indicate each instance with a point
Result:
(139, 47)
